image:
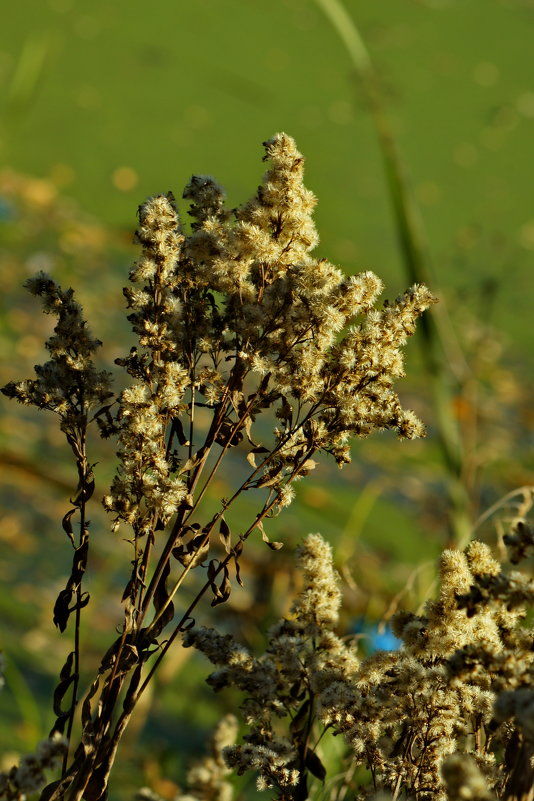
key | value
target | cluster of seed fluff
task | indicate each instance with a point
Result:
(68, 383)
(145, 492)
(464, 780)
(302, 652)
(449, 689)
(206, 780)
(29, 776)
(449, 715)
(237, 316)
(317, 605)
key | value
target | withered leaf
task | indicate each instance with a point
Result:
(84, 600)
(194, 552)
(314, 765)
(299, 722)
(67, 525)
(286, 411)
(85, 491)
(79, 560)
(225, 536)
(66, 670)
(227, 436)
(237, 551)
(274, 546)
(161, 596)
(223, 591)
(270, 477)
(59, 694)
(177, 430)
(129, 590)
(62, 609)
(238, 572)
(188, 465)
(49, 790)
(87, 718)
(264, 383)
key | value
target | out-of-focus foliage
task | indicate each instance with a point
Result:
(78, 124)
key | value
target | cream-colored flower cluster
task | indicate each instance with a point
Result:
(144, 491)
(302, 656)
(237, 316)
(407, 711)
(28, 777)
(235, 320)
(206, 780)
(449, 715)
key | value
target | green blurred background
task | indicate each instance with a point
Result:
(105, 103)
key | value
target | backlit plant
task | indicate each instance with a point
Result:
(237, 320)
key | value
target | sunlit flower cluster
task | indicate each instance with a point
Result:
(446, 716)
(237, 316)
(28, 777)
(303, 654)
(235, 320)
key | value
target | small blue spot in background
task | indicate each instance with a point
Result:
(376, 637)
(7, 212)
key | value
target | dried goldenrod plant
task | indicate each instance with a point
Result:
(235, 320)
(449, 715)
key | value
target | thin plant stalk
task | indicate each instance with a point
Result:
(443, 360)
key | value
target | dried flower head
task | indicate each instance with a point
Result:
(238, 317)
(234, 319)
(447, 716)
(68, 384)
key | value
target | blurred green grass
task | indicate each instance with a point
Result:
(121, 101)
(110, 103)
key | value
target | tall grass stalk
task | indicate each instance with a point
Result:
(444, 363)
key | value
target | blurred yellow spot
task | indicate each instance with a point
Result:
(465, 155)
(310, 116)
(125, 179)
(506, 117)
(492, 138)
(18, 319)
(428, 193)
(467, 237)
(8, 759)
(340, 112)
(88, 96)
(525, 104)
(462, 409)
(276, 59)
(82, 236)
(345, 250)
(60, 6)
(40, 192)
(62, 175)
(486, 74)
(10, 528)
(87, 27)
(28, 346)
(526, 235)
(316, 497)
(197, 117)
